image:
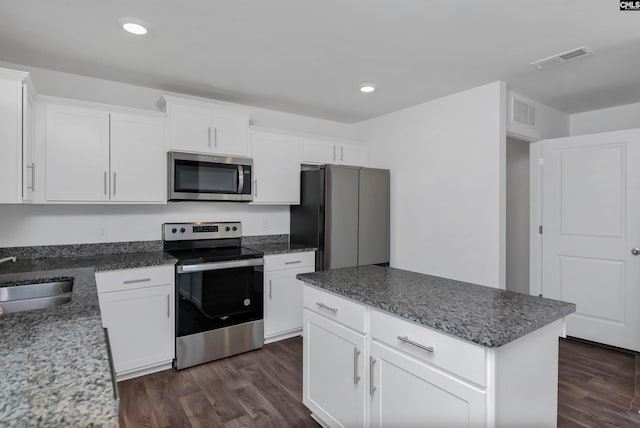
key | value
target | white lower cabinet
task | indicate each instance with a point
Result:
(334, 378)
(138, 309)
(406, 392)
(367, 368)
(283, 293)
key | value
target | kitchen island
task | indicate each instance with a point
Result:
(387, 347)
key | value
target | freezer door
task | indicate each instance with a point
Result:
(341, 217)
(373, 224)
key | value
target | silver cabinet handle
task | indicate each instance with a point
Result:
(356, 354)
(270, 288)
(405, 339)
(134, 281)
(215, 137)
(635, 251)
(105, 182)
(168, 306)
(209, 136)
(323, 306)
(372, 388)
(341, 154)
(295, 262)
(255, 187)
(334, 152)
(114, 184)
(33, 177)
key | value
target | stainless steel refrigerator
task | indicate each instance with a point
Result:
(344, 212)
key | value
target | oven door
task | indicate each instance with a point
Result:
(216, 295)
(209, 178)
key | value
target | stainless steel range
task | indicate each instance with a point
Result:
(219, 292)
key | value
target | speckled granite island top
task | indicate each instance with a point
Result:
(54, 367)
(483, 315)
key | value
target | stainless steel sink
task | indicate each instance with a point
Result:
(22, 296)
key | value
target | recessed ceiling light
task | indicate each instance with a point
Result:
(133, 26)
(367, 88)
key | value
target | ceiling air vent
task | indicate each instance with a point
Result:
(523, 113)
(562, 58)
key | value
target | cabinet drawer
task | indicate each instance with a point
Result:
(454, 355)
(335, 308)
(289, 261)
(130, 279)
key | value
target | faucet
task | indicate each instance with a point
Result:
(8, 259)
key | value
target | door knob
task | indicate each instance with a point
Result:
(635, 251)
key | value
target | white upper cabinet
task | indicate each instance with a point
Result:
(319, 151)
(202, 127)
(77, 154)
(94, 155)
(137, 158)
(16, 137)
(276, 168)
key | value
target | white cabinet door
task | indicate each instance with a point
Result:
(405, 392)
(190, 128)
(590, 212)
(77, 154)
(276, 168)
(10, 141)
(334, 372)
(137, 158)
(283, 301)
(317, 151)
(141, 326)
(230, 133)
(28, 150)
(353, 154)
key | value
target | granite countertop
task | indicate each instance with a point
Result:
(483, 315)
(55, 368)
(272, 248)
(101, 262)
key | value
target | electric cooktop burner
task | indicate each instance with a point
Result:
(197, 243)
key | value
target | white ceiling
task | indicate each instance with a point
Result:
(310, 56)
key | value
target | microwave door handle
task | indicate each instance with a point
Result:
(240, 179)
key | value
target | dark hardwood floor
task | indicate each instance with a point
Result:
(597, 386)
(257, 389)
(263, 388)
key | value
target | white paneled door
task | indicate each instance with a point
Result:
(591, 219)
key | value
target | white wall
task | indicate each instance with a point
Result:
(605, 120)
(517, 216)
(24, 225)
(447, 161)
(74, 86)
(550, 123)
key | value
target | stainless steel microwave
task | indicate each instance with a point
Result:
(196, 177)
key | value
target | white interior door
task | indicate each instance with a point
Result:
(591, 219)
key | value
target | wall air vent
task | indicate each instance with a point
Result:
(562, 58)
(523, 113)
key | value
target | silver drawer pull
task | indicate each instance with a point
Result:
(134, 281)
(372, 387)
(293, 262)
(323, 306)
(356, 354)
(405, 339)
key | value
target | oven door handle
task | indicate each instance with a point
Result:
(219, 265)
(240, 179)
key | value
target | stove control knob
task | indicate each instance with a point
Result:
(227, 229)
(182, 230)
(234, 228)
(174, 230)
